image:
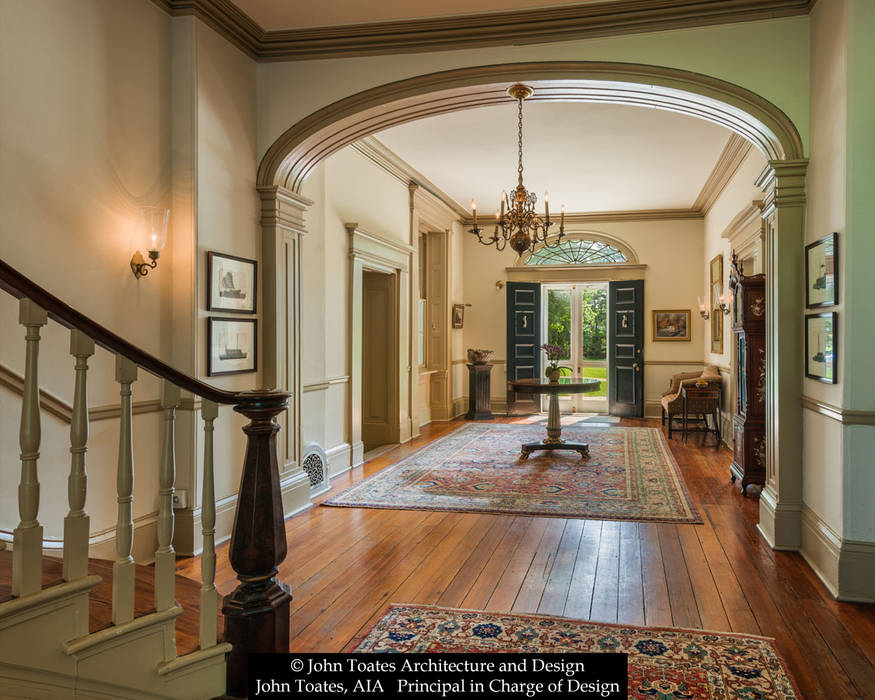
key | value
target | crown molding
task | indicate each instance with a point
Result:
(731, 157)
(538, 25)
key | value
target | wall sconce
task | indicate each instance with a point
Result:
(723, 306)
(499, 285)
(154, 236)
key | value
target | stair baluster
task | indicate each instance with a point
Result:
(209, 596)
(27, 537)
(165, 556)
(77, 522)
(123, 570)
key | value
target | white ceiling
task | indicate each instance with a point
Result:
(286, 14)
(591, 157)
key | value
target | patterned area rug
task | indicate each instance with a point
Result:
(630, 475)
(664, 662)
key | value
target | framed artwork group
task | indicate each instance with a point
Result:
(232, 343)
(822, 291)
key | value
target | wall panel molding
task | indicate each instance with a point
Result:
(529, 26)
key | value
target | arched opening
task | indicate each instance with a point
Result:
(299, 149)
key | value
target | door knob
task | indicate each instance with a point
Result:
(636, 366)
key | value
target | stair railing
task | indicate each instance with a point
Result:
(257, 612)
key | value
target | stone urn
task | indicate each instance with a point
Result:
(479, 357)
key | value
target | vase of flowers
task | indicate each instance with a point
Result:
(553, 371)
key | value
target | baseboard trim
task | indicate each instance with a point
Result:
(339, 459)
(844, 566)
(780, 524)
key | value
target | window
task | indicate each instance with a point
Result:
(578, 252)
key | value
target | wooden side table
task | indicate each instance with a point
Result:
(702, 402)
(479, 388)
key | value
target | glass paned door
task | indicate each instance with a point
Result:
(576, 319)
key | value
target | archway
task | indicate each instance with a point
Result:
(299, 149)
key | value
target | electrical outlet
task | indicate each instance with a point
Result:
(180, 499)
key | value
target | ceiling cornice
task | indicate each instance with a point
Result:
(731, 157)
(540, 25)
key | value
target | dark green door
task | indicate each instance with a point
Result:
(523, 337)
(626, 348)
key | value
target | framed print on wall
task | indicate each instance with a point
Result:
(232, 283)
(458, 315)
(232, 346)
(821, 354)
(716, 311)
(821, 272)
(671, 324)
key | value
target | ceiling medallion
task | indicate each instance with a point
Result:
(516, 222)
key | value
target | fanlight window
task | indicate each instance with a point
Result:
(577, 252)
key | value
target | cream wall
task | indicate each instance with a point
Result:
(86, 141)
(349, 188)
(769, 57)
(823, 473)
(672, 250)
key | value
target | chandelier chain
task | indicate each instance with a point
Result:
(520, 140)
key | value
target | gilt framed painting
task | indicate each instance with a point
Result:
(821, 272)
(232, 346)
(671, 324)
(232, 283)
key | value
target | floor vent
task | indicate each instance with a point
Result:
(315, 464)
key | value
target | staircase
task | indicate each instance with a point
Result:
(74, 627)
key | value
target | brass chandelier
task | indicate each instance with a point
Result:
(517, 222)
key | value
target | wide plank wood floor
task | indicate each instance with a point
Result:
(346, 564)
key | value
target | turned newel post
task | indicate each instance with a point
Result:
(257, 611)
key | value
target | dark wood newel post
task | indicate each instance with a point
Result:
(257, 611)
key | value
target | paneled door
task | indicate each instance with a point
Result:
(626, 348)
(575, 318)
(523, 336)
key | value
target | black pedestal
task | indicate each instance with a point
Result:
(479, 407)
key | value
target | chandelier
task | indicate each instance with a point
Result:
(517, 222)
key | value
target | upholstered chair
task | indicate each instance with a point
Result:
(673, 401)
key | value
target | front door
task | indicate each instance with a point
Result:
(523, 336)
(626, 348)
(576, 319)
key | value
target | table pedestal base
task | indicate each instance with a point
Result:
(581, 447)
(554, 439)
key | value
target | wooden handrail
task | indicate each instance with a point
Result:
(19, 286)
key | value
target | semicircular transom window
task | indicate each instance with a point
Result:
(577, 252)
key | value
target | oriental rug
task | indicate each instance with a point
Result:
(629, 475)
(664, 662)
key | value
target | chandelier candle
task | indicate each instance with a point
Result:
(516, 222)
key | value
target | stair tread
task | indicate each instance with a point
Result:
(100, 599)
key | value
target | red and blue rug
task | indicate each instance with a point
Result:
(664, 662)
(630, 475)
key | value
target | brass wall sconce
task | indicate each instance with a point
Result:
(499, 285)
(154, 237)
(723, 305)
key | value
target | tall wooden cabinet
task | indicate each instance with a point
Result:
(749, 421)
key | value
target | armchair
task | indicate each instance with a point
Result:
(673, 401)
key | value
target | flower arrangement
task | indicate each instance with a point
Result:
(554, 353)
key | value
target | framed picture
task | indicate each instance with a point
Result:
(232, 283)
(232, 346)
(671, 324)
(821, 354)
(822, 272)
(716, 311)
(458, 315)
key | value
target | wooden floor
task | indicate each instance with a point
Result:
(346, 564)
